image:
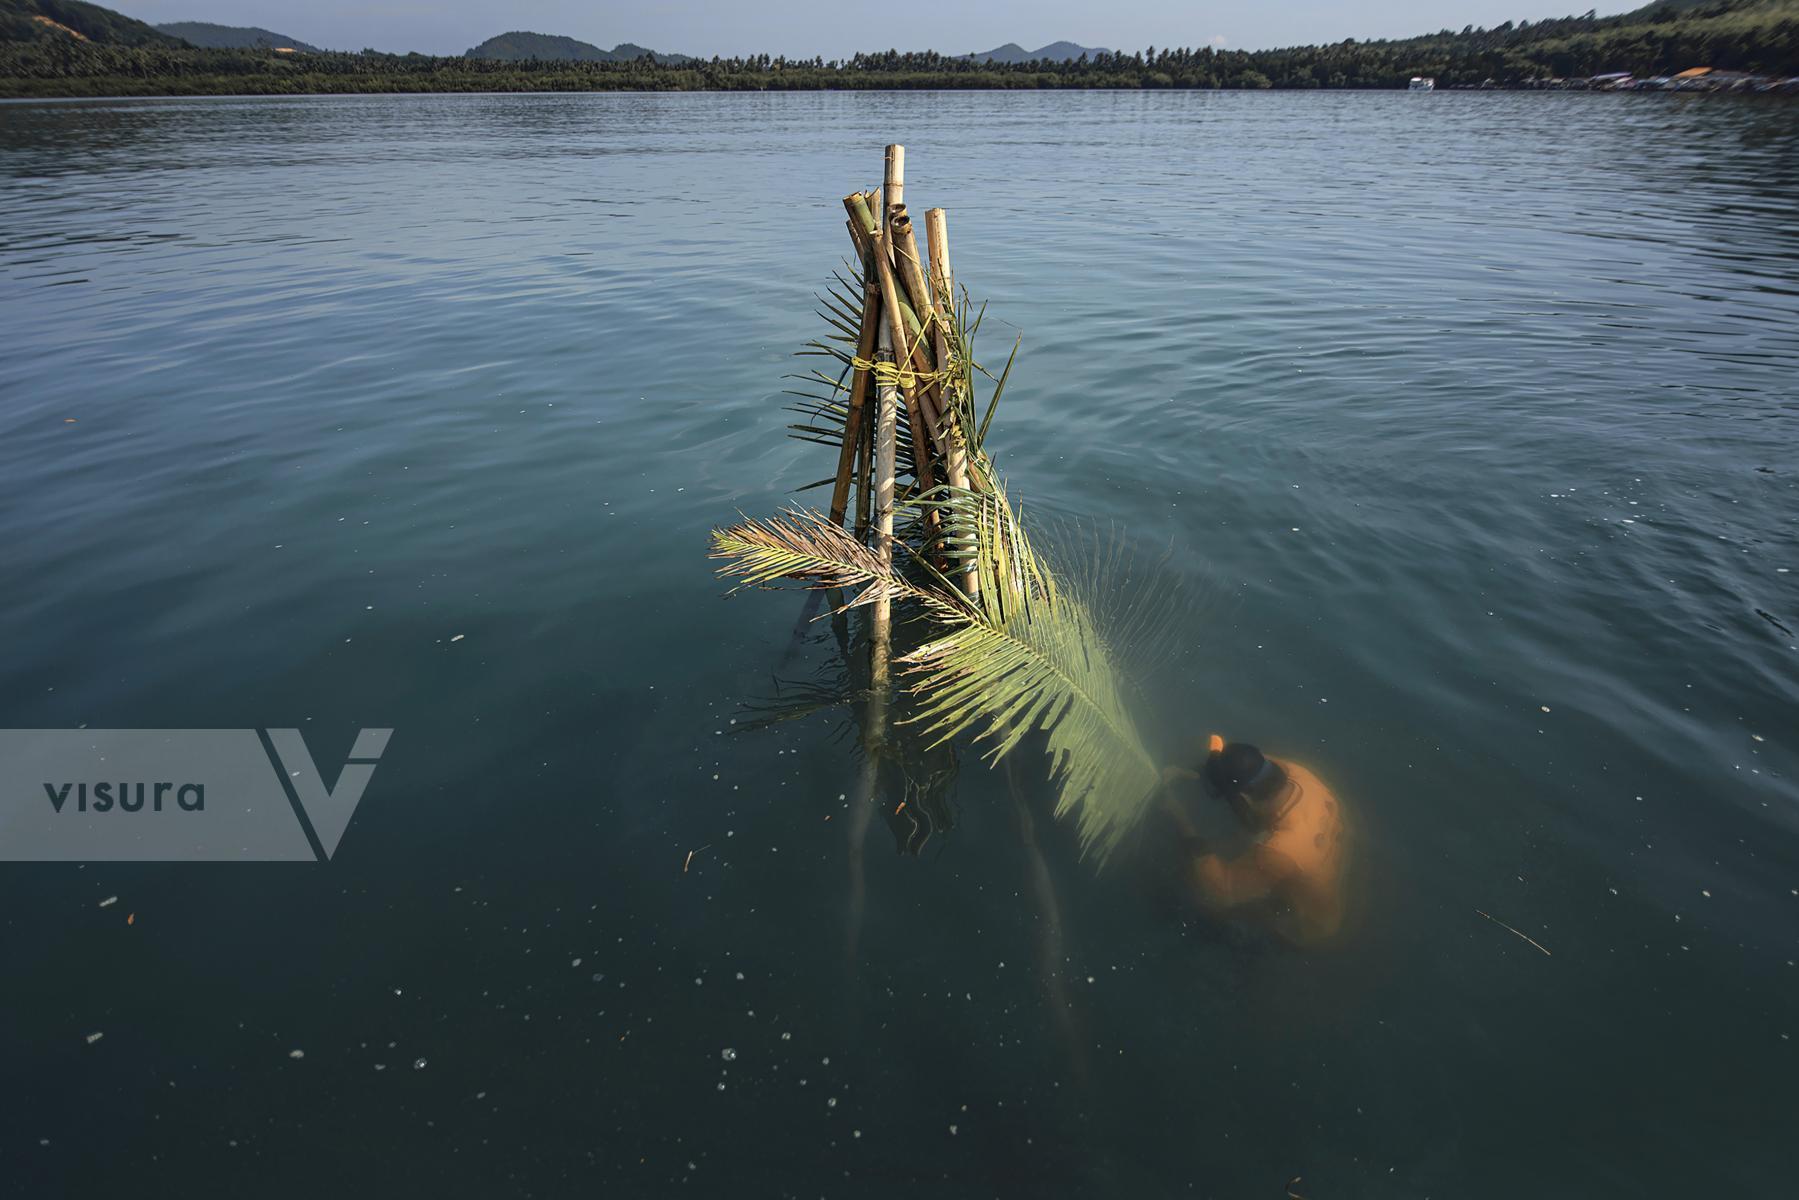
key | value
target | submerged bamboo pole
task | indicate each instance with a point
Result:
(880, 638)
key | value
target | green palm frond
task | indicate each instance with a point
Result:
(1026, 655)
(810, 548)
(1033, 658)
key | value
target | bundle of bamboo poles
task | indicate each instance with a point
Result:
(1003, 649)
(903, 354)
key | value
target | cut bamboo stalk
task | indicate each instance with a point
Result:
(862, 218)
(895, 180)
(906, 261)
(936, 236)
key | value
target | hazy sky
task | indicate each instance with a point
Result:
(837, 28)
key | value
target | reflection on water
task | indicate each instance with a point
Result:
(1467, 426)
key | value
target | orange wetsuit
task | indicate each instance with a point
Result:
(1295, 866)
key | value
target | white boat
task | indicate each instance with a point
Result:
(1421, 83)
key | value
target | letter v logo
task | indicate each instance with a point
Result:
(329, 811)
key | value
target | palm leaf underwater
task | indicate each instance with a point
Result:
(1011, 650)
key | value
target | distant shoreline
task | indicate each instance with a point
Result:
(1668, 45)
(12, 94)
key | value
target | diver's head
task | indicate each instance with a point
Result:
(1254, 784)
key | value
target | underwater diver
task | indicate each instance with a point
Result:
(1289, 871)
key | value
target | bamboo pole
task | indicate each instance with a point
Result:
(886, 421)
(894, 183)
(936, 236)
(911, 333)
(864, 487)
(943, 293)
(862, 215)
(936, 233)
(865, 349)
(911, 269)
(894, 327)
(871, 204)
(911, 274)
(906, 261)
(880, 640)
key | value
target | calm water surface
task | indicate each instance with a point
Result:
(1460, 434)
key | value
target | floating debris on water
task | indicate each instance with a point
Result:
(296, 1054)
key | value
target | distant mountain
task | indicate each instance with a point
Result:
(208, 36)
(1012, 52)
(39, 20)
(548, 47)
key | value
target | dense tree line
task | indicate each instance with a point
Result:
(1760, 36)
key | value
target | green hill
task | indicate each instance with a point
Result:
(1012, 52)
(208, 36)
(520, 46)
(44, 20)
